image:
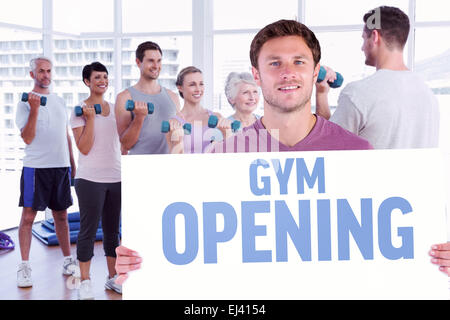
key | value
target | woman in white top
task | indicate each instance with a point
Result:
(98, 180)
(242, 93)
(190, 86)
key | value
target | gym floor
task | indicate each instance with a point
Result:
(48, 281)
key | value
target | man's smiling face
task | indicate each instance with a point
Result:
(286, 73)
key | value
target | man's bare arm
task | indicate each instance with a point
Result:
(127, 128)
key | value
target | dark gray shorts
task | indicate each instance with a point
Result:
(45, 187)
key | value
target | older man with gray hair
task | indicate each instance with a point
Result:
(48, 166)
(242, 93)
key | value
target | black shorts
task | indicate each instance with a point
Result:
(45, 187)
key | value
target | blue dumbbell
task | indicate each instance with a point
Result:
(25, 99)
(79, 110)
(165, 127)
(213, 121)
(336, 84)
(235, 125)
(130, 106)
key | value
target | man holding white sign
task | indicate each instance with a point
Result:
(295, 225)
(285, 58)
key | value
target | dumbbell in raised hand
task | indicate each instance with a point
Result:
(213, 121)
(165, 127)
(25, 99)
(79, 110)
(336, 84)
(130, 106)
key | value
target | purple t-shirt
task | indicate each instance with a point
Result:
(325, 135)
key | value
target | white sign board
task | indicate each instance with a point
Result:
(290, 225)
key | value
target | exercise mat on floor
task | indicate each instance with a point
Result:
(49, 238)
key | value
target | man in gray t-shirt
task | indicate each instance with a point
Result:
(140, 132)
(47, 168)
(393, 108)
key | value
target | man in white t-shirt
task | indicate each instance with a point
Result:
(392, 108)
(48, 166)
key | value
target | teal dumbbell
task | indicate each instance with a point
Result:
(130, 106)
(235, 125)
(79, 110)
(336, 84)
(165, 127)
(25, 99)
(213, 121)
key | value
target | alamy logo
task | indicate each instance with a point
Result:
(250, 140)
(73, 282)
(374, 21)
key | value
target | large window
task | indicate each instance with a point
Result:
(432, 10)
(75, 33)
(231, 55)
(70, 56)
(86, 16)
(347, 12)
(16, 47)
(22, 12)
(432, 60)
(251, 14)
(140, 16)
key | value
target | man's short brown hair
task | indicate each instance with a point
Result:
(393, 25)
(148, 45)
(284, 28)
